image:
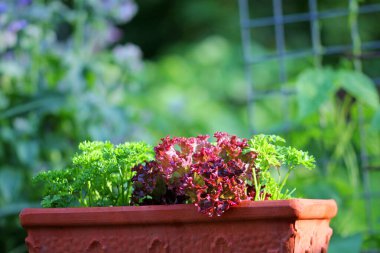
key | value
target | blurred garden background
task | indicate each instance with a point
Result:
(124, 70)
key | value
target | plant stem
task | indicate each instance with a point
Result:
(79, 24)
(257, 190)
(355, 36)
(128, 186)
(89, 193)
(356, 44)
(284, 181)
(122, 185)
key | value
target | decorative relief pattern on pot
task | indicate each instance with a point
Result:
(95, 247)
(30, 244)
(258, 237)
(221, 245)
(158, 246)
(312, 236)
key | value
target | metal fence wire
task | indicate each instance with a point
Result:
(256, 15)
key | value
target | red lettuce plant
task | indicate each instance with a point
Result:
(214, 176)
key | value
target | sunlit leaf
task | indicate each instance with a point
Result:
(359, 86)
(314, 87)
(376, 120)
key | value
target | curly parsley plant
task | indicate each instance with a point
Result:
(100, 175)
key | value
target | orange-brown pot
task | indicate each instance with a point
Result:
(296, 225)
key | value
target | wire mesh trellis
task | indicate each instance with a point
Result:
(277, 20)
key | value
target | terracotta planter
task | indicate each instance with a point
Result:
(298, 225)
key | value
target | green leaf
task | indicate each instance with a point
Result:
(350, 244)
(47, 101)
(15, 208)
(314, 87)
(27, 151)
(11, 69)
(359, 86)
(4, 101)
(10, 184)
(376, 120)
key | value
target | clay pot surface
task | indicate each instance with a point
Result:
(296, 225)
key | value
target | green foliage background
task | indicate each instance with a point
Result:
(75, 70)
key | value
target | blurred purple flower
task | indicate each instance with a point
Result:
(17, 25)
(3, 8)
(113, 34)
(24, 2)
(129, 54)
(127, 10)
(9, 55)
(9, 39)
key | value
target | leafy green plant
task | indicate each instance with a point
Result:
(100, 176)
(272, 154)
(213, 175)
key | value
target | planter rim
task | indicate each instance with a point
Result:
(292, 209)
